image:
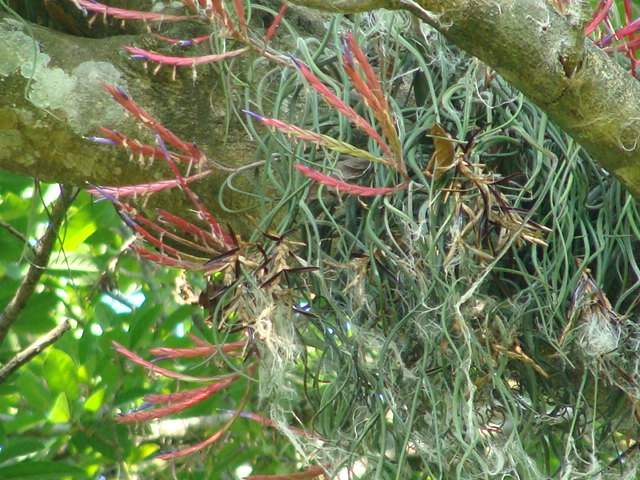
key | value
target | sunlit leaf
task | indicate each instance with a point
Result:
(60, 412)
(60, 372)
(94, 402)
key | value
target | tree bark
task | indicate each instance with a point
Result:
(541, 51)
(51, 97)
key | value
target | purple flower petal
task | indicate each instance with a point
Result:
(105, 141)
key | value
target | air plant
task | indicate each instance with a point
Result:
(478, 200)
(368, 86)
(625, 36)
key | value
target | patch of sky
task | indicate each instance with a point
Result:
(180, 330)
(133, 300)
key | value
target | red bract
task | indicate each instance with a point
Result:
(201, 351)
(212, 242)
(123, 14)
(626, 33)
(147, 188)
(317, 138)
(345, 187)
(372, 92)
(273, 28)
(333, 100)
(178, 401)
(147, 120)
(193, 448)
(203, 244)
(153, 368)
(374, 96)
(206, 11)
(183, 61)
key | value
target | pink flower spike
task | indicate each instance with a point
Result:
(318, 139)
(184, 400)
(345, 187)
(242, 22)
(186, 395)
(132, 107)
(182, 61)
(224, 239)
(597, 19)
(147, 188)
(374, 96)
(333, 100)
(201, 351)
(273, 28)
(165, 260)
(158, 370)
(123, 14)
(194, 448)
(187, 227)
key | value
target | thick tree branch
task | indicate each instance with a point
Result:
(38, 262)
(51, 97)
(581, 88)
(539, 50)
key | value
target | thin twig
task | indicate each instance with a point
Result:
(39, 263)
(32, 350)
(13, 231)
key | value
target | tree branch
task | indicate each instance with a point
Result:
(32, 350)
(38, 263)
(52, 97)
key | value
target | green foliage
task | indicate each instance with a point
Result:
(446, 333)
(58, 410)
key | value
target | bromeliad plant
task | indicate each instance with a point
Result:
(249, 282)
(249, 290)
(368, 86)
(203, 245)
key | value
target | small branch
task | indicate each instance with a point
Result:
(13, 231)
(32, 350)
(39, 262)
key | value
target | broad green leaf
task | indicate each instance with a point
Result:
(144, 319)
(20, 447)
(60, 411)
(60, 373)
(94, 402)
(80, 226)
(23, 423)
(38, 316)
(33, 390)
(92, 440)
(44, 470)
(73, 264)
